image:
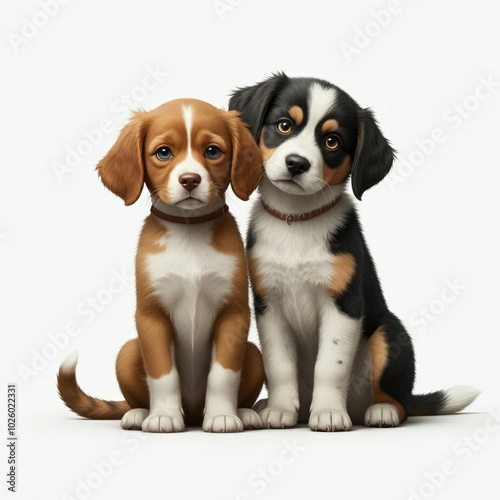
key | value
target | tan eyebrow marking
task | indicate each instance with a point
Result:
(297, 114)
(330, 125)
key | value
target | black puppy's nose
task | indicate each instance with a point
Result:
(297, 164)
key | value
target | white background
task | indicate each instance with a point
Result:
(63, 236)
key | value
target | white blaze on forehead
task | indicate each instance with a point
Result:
(187, 112)
(320, 101)
(189, 165)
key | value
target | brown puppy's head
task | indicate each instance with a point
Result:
(186, 152)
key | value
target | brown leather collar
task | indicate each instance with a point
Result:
(289, 218)
(189, 220)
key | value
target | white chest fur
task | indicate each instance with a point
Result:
(295, 264)
(191, 281)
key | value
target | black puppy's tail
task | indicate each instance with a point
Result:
(443, 402)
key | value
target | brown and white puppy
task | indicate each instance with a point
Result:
(191, 363)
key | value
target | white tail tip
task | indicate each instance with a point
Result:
(457, 398)
(69, 364)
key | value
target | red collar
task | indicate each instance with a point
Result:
(189, 220)
(289, 218)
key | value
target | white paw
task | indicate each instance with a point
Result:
(250, 419)
(330, 421)
(164, 423)
(222, 423)
(133, 419)
(381, 415)
(276, 418)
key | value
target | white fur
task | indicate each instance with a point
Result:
(192, 281)
(309, 346)
(382, 415)
(457, 398)
(175, 191)
(69, 364)
(187, 113)
(296, 267)
(133, 419)
(320, 100)
(222, 393)
(165, 414)
(280, 359)
(338, 340)
(250, 418)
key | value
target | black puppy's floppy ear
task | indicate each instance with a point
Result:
(374, 155)
(252, 102)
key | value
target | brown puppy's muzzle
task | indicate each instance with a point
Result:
(190, 181)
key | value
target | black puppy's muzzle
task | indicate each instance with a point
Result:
(297, 164)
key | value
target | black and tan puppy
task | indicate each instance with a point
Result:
(333, 351)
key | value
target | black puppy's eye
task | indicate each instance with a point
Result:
(212, 152)
(164, 153)
(332, 142)
(284, 127)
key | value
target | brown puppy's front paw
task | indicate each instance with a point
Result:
(163, 423)
(133, 419)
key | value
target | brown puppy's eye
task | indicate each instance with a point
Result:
(212, 152)
(164, 153)
(284, 127)
(332, 142)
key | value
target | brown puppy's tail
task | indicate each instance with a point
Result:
(83, 404)
(443, 402)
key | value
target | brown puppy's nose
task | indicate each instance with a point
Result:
(189, 181)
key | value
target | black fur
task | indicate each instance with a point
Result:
(364, 298)
(427, 403)
(259, 304)
(374, 155)
(262, 107)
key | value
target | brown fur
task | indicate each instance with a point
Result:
(266, 152)
(344, 267)
(130, 163)
(232, 323)
(297, 114)
(329, 126)
(336, 176)
(379, 355)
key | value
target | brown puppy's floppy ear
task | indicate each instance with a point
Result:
(246, 163)
(122, 169)
(374, 155)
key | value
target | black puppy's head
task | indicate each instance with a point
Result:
(313, 134)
